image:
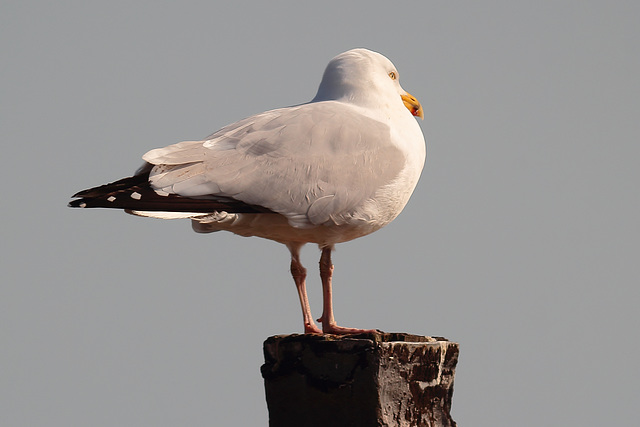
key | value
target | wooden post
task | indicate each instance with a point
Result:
(376, 379)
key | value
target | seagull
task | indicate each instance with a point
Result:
(328, 171)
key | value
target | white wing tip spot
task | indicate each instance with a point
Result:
(135, 195)
(111, 198)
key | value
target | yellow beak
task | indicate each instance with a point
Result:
(412, 105)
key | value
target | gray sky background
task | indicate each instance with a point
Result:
(520, 242)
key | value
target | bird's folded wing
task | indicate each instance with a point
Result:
(314, 163)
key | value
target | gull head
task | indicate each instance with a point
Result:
(365, 78)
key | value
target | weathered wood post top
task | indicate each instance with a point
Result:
(373, 379)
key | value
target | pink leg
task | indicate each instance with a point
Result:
(328, 322)
(299, 274)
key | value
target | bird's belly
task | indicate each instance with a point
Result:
(276, 227)
(370, 216)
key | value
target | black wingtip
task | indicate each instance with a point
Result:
(80, 203)
(135, 193)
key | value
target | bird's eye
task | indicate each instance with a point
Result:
(393, 75)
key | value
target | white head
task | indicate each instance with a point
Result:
(365, 78)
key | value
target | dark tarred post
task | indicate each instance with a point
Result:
(374, 379)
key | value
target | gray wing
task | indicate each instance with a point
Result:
(314, 163)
